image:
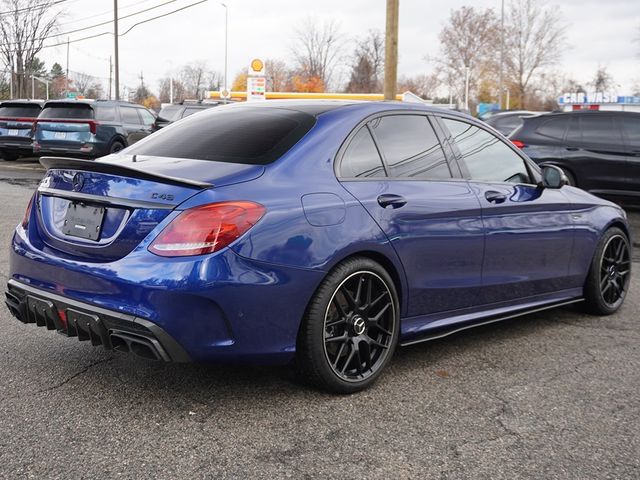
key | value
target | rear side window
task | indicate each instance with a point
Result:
(410, 147)
(191, 110)
(631, 129)
(237, 134)
(17, 111)
(361, 158)
(106, 113)
(129, 115)
(171, 112)
(554, 127)
(595, 129)
(486, 157)
(67, 111)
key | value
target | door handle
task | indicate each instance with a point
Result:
(572, 149)
(390, 200)
(495, 197)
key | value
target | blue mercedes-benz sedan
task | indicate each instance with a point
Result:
(322, 232)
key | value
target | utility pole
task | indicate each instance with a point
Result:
(391, 50)
(466, 88)
(226, 42)
(500, 85)
(115, 44)
(67, 77)
(33, 87)
(11, 84)
(110, 75)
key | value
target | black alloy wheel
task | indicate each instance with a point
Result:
(358, 326)
(351, 327)
(615, 268)
(608, 280)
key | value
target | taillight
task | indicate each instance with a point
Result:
(27, 213)
(93, 126)
(518, 143)
(206, 229)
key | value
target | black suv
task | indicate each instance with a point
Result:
(90, 128)
(16, 127)
(599, 151)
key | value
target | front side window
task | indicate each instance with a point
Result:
(147, 117)
(410, 147)
(361, 158)
(631, 128)
(486, 157)
(594, 129)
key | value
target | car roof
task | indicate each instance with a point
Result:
(22, 102)
(320, 107)
(88, 101)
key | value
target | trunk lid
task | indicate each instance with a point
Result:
(99, 211)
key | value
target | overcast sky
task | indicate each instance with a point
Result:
(597, 33)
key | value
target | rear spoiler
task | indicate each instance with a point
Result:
(64, 163)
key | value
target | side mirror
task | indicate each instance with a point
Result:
(553, 177)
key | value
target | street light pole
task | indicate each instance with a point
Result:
(115, 45)
(226, 42)
(500, 85)
(391, 50)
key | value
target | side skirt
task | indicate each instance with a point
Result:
(459, 328)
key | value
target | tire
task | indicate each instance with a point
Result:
(9, 156)
(116, 146)
(609, 275)
(350, 329)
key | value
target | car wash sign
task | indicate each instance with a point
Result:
(593, 98)
(256, 81)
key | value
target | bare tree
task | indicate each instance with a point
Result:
(424, 85)
(179, 92)
(468, 44)
(278, 74)
(367, 67)
(316, 50)
(602, 81)
(82, 81)
(24, 26)
(534, 38)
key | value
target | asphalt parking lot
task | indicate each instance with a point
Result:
(550, 395)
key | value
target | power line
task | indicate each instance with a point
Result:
(122, 34)
(125, 7)
(37, 7)
(108, 22)
(163, 15)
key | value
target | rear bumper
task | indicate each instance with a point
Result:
(82, 150)
(112, 330)
(218, 308)
(22, 145)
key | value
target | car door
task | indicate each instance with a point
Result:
(132, 124)
(396, 167)
(630, 125)
(529, 233)
(595, 151)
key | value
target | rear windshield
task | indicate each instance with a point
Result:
(171, 112)
(29, 111)
(82, 112)
(254, 136)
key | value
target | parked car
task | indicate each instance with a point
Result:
(90, 128)
(174, 112)
(325, 232)
(598, 151)
(507, 122)
(16, 124)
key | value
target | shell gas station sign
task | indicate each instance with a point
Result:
(256, 81)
